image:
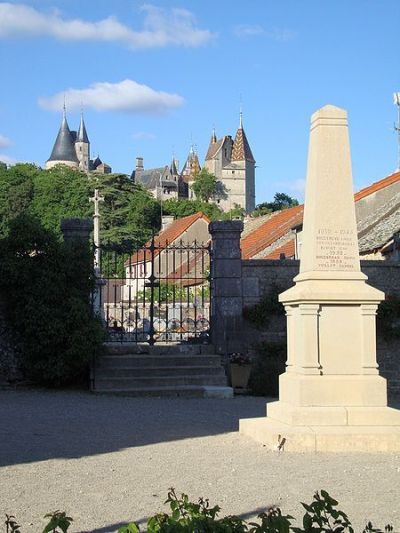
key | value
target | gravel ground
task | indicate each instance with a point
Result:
(108, 460)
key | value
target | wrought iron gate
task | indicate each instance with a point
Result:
(158, 293)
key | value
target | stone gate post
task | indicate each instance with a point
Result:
(226, 286)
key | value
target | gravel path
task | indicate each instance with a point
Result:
(107, 460)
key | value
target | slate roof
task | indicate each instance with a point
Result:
(82, 133)
(64, 148)
(150, 178)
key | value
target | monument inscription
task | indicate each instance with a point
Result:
(335, 249)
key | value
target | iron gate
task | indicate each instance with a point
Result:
(158, 293)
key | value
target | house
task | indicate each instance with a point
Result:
(278, 235)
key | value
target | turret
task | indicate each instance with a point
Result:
(82, 146)
(64, 148)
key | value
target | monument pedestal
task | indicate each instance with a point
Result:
(331, 397)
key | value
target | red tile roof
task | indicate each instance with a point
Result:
(288, 249)
(166, 237)
(269, 232)
(378, 185)
(281, 222)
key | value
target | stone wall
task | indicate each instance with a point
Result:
(259, 276)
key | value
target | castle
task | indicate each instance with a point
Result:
(230, 160)
(72, 148)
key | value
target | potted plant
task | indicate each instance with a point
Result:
(240, 369)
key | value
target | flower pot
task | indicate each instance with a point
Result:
(240, 375)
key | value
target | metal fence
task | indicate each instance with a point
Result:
(158, 293)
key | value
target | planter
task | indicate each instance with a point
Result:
(240, 375)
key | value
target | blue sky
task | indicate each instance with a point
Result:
(155, 77)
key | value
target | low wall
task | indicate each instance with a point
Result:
(259, 276)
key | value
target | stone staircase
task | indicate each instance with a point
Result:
(162, 370)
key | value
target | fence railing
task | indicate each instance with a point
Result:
(157, 293)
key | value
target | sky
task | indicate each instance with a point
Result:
(155, 78)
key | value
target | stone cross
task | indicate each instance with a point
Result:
(96, 199)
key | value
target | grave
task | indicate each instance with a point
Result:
(331, 397)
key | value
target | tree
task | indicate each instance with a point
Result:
(280, 201)
(183, 208)
(205, 185)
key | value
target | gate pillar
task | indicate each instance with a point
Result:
(226, 286)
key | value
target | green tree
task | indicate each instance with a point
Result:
(281, 201)
(46, 285)
(205, 185)
(183, 208)
(130, 214)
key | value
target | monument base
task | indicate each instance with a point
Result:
(272, 434)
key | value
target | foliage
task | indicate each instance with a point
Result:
(322, 516)
(183, 208)
(206, 186)
(236, 212)
(280, 201)
(238, 358)
(268, 364)
(47, 285)
(58, 520)
(129, 212)
(261, 313)
(388, 318)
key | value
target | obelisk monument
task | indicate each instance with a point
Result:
(331, 397)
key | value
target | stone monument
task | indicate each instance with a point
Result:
(331, 397)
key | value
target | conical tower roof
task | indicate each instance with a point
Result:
(212, 147)
(172, 169)
(241, 149)
(82, 134)
(64, 148)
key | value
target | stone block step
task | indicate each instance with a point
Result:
(158, 371)
(189, 391)
(125, 383)
(134, 361)
(126, 348)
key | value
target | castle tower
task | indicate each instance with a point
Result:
(243, 191)
(64, 148)
(82, 147)
(190, 169)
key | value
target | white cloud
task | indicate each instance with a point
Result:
(4, 141)
(143, 136)
(254, 30)
(248, 30)
(127, 95)
(161, 27)
(7, 159)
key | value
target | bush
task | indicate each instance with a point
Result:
(261, 313)
(269, 363)
(322, 516)
(47, 286)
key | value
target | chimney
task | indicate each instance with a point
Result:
(139, 163)
(166, 220)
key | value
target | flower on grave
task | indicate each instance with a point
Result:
(239, 358)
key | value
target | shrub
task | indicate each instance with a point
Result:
(47, 287)
(269, 363)
(322, 516)
(261, 313)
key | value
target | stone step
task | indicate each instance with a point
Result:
(158, 371)
(126, 383)
(189, 391)
(127, 348)
(135, 361)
